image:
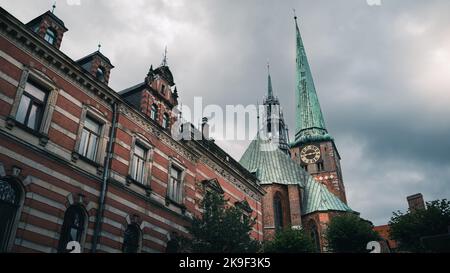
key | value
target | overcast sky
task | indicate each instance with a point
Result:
(382, 74)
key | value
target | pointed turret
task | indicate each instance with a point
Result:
(269, 83)
(309, 120)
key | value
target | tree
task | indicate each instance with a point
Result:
(408, 229)
(349, 233)
(220, 229)
(289, 241)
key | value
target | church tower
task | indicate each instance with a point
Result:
(313, 147)
(274, 125)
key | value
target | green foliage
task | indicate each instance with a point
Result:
(221, 229)
(349, 234)
(289, 241)
(407, 229)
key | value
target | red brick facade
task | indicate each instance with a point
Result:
(50, 174)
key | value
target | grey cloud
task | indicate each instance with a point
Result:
(379, 72)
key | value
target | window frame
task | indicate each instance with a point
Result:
(53, 35)
(65, 228)
(165, 121)
(139, 241)
(139, 140)
(42, 80)
(96, 115)
(178, 199)
(33, 101)
(86, 146)
(155, 117)
(278, 216)
(20, 195)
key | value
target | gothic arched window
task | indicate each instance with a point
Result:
(278, 211)
(131, 240)
(73, 227)
(314, 235)
(154, 112)
(9, 205)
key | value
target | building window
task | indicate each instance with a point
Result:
(90, 137)
(131, 240)
(278, 212)
(138, 163)
(154, 112)
(9, 206)
(320, 167)
(163, 89)
(100, 74)
(165, 122)
(32, 106)
(50, 36)
(314, 236)
(175, 190)
(305, 167)
(73, 227)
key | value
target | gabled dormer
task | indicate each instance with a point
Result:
(98, 65)
(49, 27)
(161, 81)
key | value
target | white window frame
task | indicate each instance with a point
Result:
(144, 143)
(99, 117)
(179, 199)
(52, 96)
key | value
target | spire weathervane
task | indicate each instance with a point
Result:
(295, 15)
(164, 61)
(99, 47)
(54, 7)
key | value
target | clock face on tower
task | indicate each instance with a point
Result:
(310, 154)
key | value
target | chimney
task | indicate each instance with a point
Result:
(205, 128)
(416, 202)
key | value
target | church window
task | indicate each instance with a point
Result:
(73, 227)
(278, 212)
(9, 206)
(320, 167)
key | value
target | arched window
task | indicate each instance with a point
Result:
(50, 36)
(314, 235)
(100, 74)
(278, 211)
(165, 122)
(154, 112)
(173, 244)
(131, 240)
(9, 206)
(73, 227)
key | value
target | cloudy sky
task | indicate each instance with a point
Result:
(382, 74)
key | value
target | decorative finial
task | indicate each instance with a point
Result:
(54, 7)
(99, 47)
(164, 61)
(295, 15)
(268, 67)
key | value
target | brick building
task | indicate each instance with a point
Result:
(303, 179)
(82, 162)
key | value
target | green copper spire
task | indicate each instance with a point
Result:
(269, 83)
(309, 120)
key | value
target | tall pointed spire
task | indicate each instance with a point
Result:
(269, 83)
(309, 120)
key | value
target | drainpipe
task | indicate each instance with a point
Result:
(101, 199)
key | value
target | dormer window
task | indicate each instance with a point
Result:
(100, 74)
(50, 36)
